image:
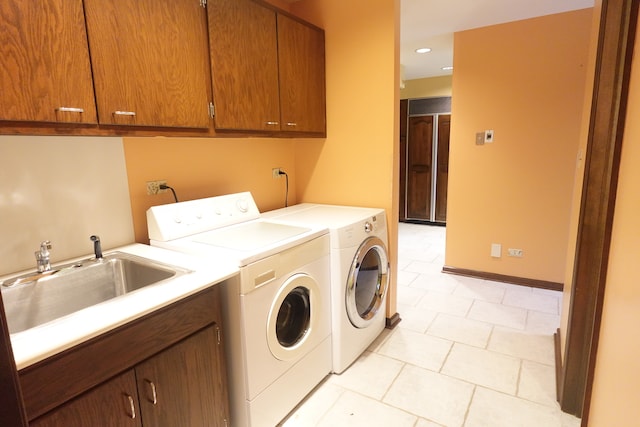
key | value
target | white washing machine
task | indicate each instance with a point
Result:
(278, 311)
(359, 272)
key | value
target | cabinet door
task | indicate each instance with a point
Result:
(150, 62)
(180, 386)
(112, 404)
(44, 62)
(244, 67)
(302, 76)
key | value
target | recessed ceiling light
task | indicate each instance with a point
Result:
(423, 50)
(449, 68)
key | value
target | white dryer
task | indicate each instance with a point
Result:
(278, 312)
(359, 272)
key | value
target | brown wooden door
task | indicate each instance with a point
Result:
(442, 172)
(45, 73)
(302, 76)
(112, 404)
(404, 103)
(180, 386)
(244, 65)
(150, 62)
(419, 167)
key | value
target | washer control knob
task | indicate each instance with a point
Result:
(368, 227)
(242, 205)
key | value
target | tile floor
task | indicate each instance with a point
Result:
(467, 352)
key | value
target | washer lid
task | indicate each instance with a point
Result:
(250, 236)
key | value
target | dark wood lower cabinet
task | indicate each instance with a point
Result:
(112, 404)
(170, 372)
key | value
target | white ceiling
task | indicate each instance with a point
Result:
(431, 23)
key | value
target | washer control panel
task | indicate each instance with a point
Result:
(177, 220)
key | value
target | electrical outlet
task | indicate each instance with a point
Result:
(275, 172)
(518, 253)
(488, 136)
(153, 187)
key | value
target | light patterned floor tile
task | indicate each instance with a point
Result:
(498, 314)
(480, 290)
(415, 348)
(542, 323)
(370, 375)
(311, 410)
(538, 383)
(437, 282)
(431, 396)
(415, 319)
(526, 298)
(405, 278)
(426, 423)
(493, 409)
(483, 367)
(445, 303)
(538, 348)
(355, 410)
(460, 329)
(410, 296)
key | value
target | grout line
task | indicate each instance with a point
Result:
(466, 413)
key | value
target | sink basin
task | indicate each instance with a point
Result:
(33, 299)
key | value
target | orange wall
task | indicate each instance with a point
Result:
(357, 163)
(206, 167)
(525, 80)
(615, 389)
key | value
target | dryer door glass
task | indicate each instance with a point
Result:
(293, 317)
(367, 282)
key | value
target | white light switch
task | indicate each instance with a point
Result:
(496, 250)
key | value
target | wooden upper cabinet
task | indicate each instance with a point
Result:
(302, 76)
(267, 69)
(244, 65)
(150, 62)
(45, 73)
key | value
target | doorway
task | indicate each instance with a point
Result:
(424, 159)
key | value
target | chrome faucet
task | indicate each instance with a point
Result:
(43, 257)
(97, 248)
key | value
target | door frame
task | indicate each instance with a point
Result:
(616, 38)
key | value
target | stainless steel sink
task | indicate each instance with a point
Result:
(33, 299)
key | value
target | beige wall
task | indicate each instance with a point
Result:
(427, 88)
(525, 80)
(357, 163)
(615, 389)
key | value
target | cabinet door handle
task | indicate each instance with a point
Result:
(292, 124)
(124, 113)
(70, 110)
(132, 406)
(154, 394)
(273, 123)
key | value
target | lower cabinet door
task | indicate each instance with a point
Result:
(111, 404)
(178, 387)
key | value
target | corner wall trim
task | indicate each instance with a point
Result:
(522, 281)
(392, 322)
(558, 350)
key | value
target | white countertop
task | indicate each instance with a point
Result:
(35, 344)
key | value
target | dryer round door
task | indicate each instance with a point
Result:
(293, 316)
(367, 282)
